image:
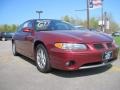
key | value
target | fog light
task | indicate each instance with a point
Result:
(69, 63)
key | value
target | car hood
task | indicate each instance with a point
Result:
(84, 36)
(79, 36)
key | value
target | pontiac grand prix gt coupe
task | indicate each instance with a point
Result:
(57, 44)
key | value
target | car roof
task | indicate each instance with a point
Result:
(43, 19)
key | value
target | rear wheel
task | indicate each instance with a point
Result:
(42, 59)
(14, 49)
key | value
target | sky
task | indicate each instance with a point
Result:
(18, 11)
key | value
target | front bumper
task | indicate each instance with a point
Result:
(96, 65)
(82, 60)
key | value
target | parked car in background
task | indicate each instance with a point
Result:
(116, 34)
(1, 35)
(57, 44)
(8, 35)
(4, 36)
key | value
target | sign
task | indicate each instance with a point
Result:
(106, 24)
(95, 4)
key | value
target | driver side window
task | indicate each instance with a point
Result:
(26, 24)
(20, 28)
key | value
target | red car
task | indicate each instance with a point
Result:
(57, 44)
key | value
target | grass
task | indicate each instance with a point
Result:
(117, 40)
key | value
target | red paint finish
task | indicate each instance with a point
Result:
(25, 44)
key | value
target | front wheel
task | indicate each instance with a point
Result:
(14, 49)
(42, 59)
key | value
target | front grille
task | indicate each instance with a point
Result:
(109, 45)
(98, 46)
(91, 64)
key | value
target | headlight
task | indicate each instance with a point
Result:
(71, 46)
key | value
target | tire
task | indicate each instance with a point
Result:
(14, 49)
(42, 59)
(3, 39)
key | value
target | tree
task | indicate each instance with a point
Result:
(75, 21)
(8, 28)
(93, 22)
(66, 18)
(14, 27)
(114, 26)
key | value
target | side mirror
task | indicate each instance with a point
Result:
(27, 29)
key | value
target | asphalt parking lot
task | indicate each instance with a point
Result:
(20, 73)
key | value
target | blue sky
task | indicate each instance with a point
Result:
(18, 11)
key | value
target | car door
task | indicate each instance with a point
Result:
(28, 39)
(18, 37)
(24, 39)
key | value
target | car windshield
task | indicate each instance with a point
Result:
(81, 28)
(53, 25)
(60, 25)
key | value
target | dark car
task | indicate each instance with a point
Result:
(56, 44)
(4, 36)
(116, 34)
(1, 35)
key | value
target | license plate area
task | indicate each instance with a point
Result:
(107, 56)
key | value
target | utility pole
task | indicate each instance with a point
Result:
(105, 21)
(39, 12)
(87, 14)
(102, 17)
